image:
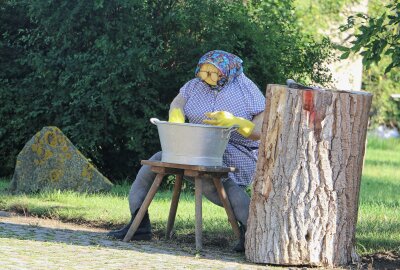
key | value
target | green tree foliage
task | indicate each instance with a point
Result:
(376, 35)
(100, 69)
(377, 39)
(385, 109)
(317, 16)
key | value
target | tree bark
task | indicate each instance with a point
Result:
(304, 205)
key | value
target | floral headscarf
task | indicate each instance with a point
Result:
(228, 64)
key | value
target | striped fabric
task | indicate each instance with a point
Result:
(242, 98)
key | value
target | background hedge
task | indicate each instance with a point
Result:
(99, 70)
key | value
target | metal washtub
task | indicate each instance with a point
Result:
(192, 144)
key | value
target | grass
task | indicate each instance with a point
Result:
(111, 210)
(378, 227)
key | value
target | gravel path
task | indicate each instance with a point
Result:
(33, 243)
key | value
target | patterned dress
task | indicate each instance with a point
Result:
(239, 96)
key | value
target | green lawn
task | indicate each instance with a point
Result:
(111, 210)
(378, 227)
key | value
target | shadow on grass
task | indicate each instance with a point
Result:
(183, 234)
(377, 243)
(49, 211)
(382, 163)
(383, 235)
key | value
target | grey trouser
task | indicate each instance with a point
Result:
(238, 197)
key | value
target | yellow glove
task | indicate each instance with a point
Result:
(226, 119)
(176, 116)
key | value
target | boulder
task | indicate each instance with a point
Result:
(49, 161)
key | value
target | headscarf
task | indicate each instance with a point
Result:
(228, 64)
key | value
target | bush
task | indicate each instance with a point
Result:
(100, 69)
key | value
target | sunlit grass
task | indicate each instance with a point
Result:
(111, 210)
(378, 227)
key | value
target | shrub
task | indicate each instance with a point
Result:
(100, 69)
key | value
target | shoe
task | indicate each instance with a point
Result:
(240, 245)
(142, 233)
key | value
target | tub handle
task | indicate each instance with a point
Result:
(154, 121)
(226, 133)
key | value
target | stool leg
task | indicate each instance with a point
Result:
(199, 219)
(227, 205)
(143, 208)
(174, 204)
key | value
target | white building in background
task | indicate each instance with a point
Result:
(347, 73)
(396, 97)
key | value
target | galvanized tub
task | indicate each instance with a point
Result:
(192, 144)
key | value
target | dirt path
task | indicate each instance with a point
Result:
(34, 243)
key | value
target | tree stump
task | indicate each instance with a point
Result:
(304, 205)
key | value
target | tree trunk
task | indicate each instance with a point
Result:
(304, 205)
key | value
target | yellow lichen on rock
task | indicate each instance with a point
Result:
(53, 138)
(61, 140)
(49, 160)
(48, 154)
(39, 150)
(37, 137)
(55, 175)
(87, 171)
(50, 138)
(43, 154)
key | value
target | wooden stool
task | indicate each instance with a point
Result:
(180, 170)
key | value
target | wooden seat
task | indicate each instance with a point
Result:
(180, 170)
